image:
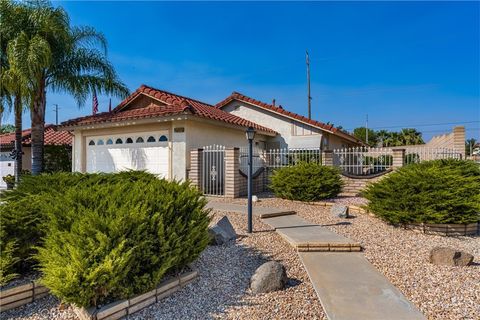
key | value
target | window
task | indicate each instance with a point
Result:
(100, 142)
(129, 140)
(109, 141)
(163, 138)
(139, 140)
(151, 139)
(91, 143)
(118, 141)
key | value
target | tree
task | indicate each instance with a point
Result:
(361, 133)
(50, 54)
(469, 144)
(12, 84)
(410, 136)
(7, 128)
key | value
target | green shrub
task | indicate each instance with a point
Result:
(109, 241)
(306, 182)
(57, 158)
(438, 191)
(22, 217)
(8, 259)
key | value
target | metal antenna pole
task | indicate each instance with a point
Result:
(56, 114)
(308, 84)
(366, 130)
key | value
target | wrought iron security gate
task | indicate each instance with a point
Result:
(213, 170)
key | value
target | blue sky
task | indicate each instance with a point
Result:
(403, 63)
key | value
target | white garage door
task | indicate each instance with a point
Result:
(7, 166)
(148, 151)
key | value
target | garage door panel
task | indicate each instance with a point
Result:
(152, 157)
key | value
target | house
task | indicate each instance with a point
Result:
(155, 130)
(52, 137)
(294, 130)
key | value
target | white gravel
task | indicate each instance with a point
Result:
(440, 292)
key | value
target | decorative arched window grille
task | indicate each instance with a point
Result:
(129, 140)
(163, 138)
(139, 140)
(109, 141)
(118, 141)
(100, 142)
(151, 139)
(91, 143)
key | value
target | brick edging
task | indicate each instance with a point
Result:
(122, 308)
(22, 294)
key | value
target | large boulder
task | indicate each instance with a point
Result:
(222, 232)
(339, 210)
(270, 276)
(450, 257)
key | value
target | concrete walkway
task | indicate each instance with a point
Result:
(348, 286)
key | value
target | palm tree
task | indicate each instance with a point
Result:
(52, 55)
(11, 86)
(411, 136)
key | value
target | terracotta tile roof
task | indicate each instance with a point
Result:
(175, 104)
(240, 97)
(52, 136)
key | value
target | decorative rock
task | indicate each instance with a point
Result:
(339, 210)
(450, 257)
(254, 199)
(270, 276)
(222, 232)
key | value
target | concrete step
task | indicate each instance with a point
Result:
(350, 288)
(308, 237)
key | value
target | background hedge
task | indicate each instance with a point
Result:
(306, 182)
(439, 191)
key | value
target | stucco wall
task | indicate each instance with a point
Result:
(290, 131)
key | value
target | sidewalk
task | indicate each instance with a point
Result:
(348, 286)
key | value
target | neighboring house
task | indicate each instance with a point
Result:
(155, 130)
(295, 131)
(52, 136)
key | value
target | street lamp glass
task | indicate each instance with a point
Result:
(250, 133)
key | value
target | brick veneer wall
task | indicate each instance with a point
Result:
(353, 186)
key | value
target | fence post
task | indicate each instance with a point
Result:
(196, 165)
(459, 140)
(398, 158)
(327, 158)
(232, 173)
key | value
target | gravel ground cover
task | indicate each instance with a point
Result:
(440, 292)
(221, 290)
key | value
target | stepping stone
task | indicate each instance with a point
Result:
(305, 236)
(262, 212)
(349, 287)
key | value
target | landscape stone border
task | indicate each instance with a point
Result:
(123, 308)
(22, 294)
(448, 229)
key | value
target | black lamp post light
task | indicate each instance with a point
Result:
(250, 134)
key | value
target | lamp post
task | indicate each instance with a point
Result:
(250, 133)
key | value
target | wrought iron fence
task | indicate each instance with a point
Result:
(418, 154)
(277, 158)
(362, 161)
(213, 170)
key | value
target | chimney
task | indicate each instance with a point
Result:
(273, 102)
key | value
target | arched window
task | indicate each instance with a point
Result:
(100, 142)
(129, 140)
(139, 140)
(163, 138)
(151, 139)
(109, 141)
(118, 141)
(91, 143)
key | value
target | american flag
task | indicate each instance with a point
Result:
(94, 102)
